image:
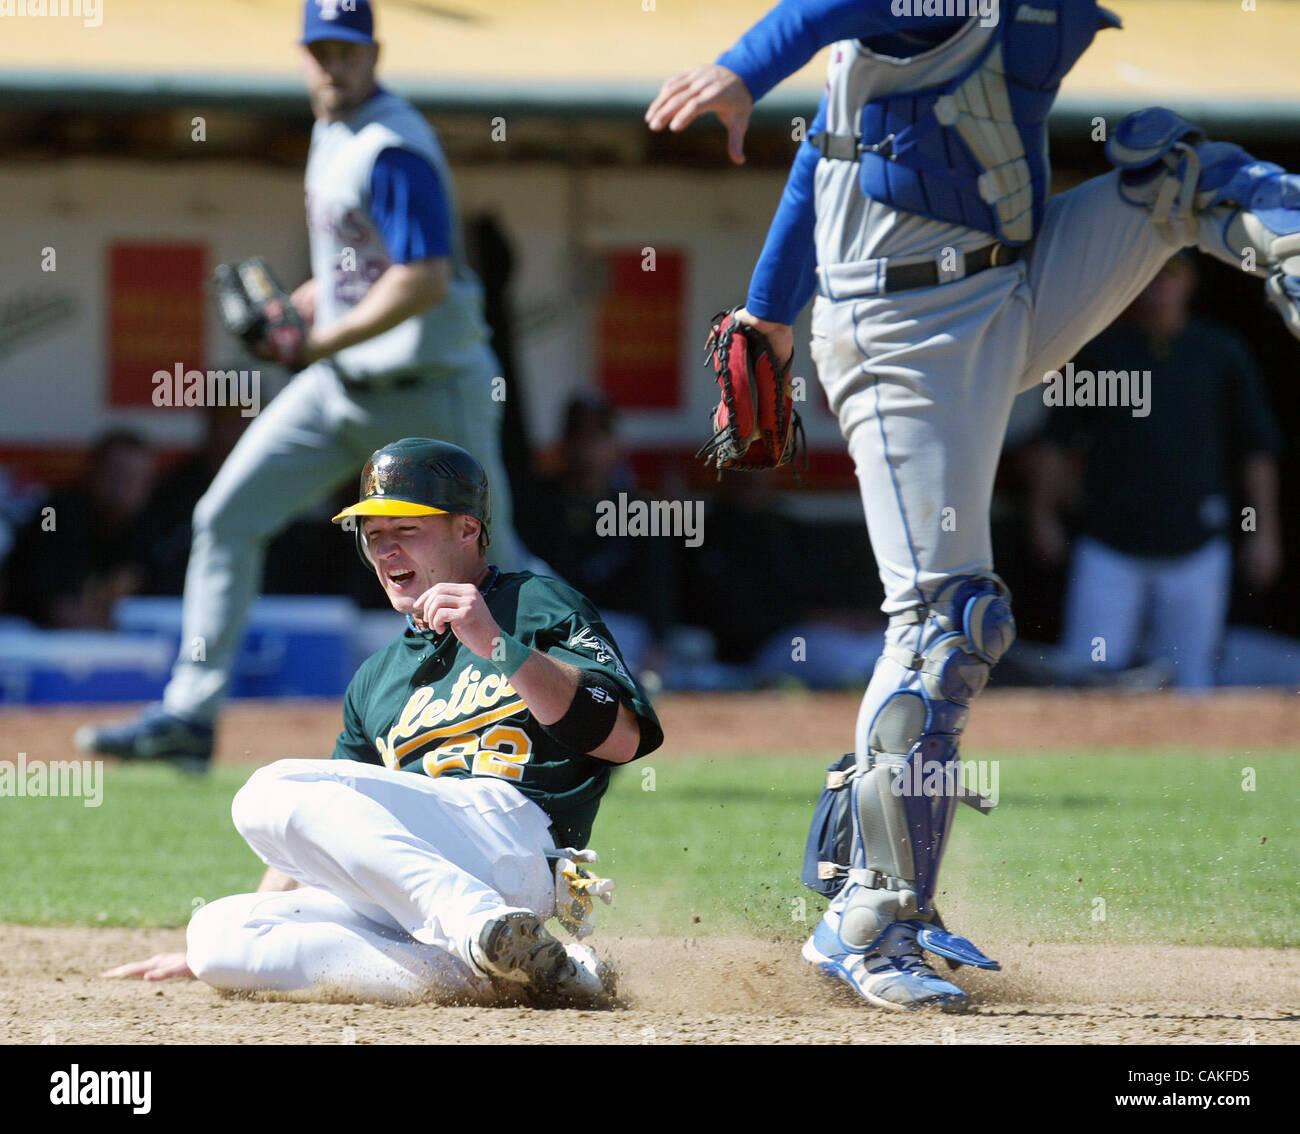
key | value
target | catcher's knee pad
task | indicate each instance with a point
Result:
(1213, 194)
(905, 788)
(1155, 151)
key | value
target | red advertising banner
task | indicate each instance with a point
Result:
(640, 337)
(155, 315)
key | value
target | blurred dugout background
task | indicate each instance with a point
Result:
(173, 136)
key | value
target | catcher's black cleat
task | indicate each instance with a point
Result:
(153, 735)
(517, 947)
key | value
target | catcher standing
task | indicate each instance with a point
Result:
(946, 281)
(391, 332)
(424, 858)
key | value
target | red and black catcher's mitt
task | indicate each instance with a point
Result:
(755, 420)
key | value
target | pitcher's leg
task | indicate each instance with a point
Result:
(290, 457)
(479, 422)
(464, 409)
(310, 942)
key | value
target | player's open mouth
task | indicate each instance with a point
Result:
(400, 578)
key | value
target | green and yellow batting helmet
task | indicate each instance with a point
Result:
(417, 476)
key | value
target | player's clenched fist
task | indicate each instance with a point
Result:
(459, 606)
(712, 87)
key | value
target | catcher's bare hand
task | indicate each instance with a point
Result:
(779, 335)
(701, 90)
(161, 966)
(461, 607)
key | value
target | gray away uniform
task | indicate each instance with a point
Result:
(431, 375)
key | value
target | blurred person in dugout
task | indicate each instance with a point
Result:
(1157, 485)
(89, 545)
(630, 579)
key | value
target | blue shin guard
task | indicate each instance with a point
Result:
(903, 791)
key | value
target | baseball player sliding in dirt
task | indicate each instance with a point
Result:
(425, 857)
(946, 283)
(396, 339)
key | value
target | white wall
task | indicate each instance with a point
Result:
(53, 385)
(718, 219)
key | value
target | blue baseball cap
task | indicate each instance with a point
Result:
(348, 20)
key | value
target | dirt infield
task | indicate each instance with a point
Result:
(709, 990)
(705, 990)
(814, 723)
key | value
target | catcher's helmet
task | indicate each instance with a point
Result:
(417, 476)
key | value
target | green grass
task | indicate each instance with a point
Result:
(155, 843)
(1171, 844)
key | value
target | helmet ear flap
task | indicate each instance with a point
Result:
(363, 545)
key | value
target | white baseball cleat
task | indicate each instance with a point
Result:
(516, 947)
(892, 975)
(593, 983)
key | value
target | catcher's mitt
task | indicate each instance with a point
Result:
(258, 310)
(756, 423)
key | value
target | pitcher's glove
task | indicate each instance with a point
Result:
(755, 420)
(258, 310)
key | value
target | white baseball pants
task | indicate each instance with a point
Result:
(398, 873)
(923, 380)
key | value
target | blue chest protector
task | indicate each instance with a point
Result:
(944, 151)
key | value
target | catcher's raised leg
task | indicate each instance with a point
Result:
(1171, 189)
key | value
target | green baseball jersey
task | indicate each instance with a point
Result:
(426, 703)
